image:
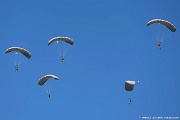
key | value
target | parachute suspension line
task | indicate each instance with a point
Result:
(13, 60)
(45, 88)
(48, 91)
(155, 32)
(18, 59)
(56, 51)
(48, 87)
(159, 33)
(66, 50)
(62, 51)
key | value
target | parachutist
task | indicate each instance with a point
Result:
(16, 68)
(130, 101)
(62, 59)
(159, 45)
(49, 95)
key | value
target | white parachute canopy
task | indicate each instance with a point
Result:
(168, 24)
(43, 79)
(20, 50)
(65, 39)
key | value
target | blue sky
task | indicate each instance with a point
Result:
(112, 45)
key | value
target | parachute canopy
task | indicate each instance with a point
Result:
(19, 49)
(65, 39)
(169, 25)
(129, 85)
(45, 78)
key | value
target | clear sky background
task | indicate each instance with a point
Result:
(112, 44)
